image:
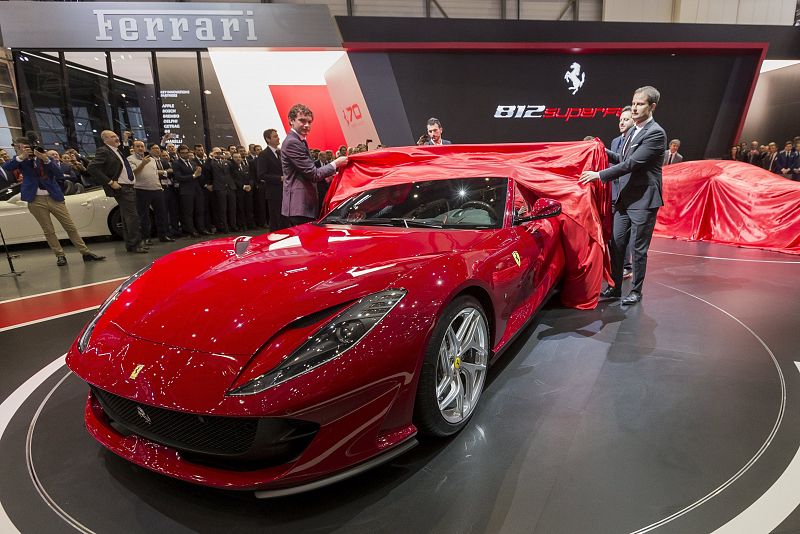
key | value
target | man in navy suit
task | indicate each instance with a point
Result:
(435, 133)
(625, 124)
(638, 169)
(186, 173)
(787, 161)
(300, 201)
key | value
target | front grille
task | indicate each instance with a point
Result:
(248, 442)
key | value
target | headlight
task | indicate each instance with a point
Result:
(83, 341)
(344, 331)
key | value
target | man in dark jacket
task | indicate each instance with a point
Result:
(638, 168)
(111, 169)
(244, 192)
(270, 177)
(218, 175)
(186, 174)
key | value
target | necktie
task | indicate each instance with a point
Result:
(158, 164)
(128, 169)
(626, 144)
(670, 158)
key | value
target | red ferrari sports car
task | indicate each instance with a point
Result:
(291, 360)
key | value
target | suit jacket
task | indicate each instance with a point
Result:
(770, 163)
(241, 175)
(32, 170)
(300, 197)
(168, 182)
(6, 177)
(217, 173)
(675, 159)
(616, 148)
(444, 142)
(639, 171)
(268, 172)
(784, 161)
(182, 174)
(105, 167)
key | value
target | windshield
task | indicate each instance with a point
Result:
(468, 203)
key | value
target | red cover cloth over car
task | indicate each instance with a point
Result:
(548, 170)
(730, 202)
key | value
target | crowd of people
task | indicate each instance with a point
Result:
(785, 162)
(188, 192)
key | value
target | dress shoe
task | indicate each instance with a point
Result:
(206, 232)
(627, 273)
(632, 298)
(61, 261)
(91, 256)
(195, 234)
(610, 293)
(147, 243)
(166, 239)
(139, 250)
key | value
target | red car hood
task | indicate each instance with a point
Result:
(212, 299)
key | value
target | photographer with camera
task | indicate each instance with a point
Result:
(41, 191)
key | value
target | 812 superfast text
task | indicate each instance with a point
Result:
(544, 112)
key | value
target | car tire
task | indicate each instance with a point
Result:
(454, 369)
(115, 223)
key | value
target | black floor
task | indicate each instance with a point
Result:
(671, 416)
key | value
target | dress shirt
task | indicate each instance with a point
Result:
(123, 173)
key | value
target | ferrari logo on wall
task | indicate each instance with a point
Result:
(517, 259)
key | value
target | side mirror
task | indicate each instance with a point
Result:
(543, 208)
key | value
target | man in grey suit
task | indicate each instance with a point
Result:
(435, 133)
(638, 168)
(300, 201)
(672, 155)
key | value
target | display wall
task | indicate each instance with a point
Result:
(775, 110)
(494, 97)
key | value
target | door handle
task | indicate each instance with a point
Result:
(85, 203)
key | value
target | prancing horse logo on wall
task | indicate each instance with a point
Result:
(575, 77)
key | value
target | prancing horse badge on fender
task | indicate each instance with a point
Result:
(516, 258)
(136, 371)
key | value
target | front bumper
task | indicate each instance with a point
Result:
(326, 458)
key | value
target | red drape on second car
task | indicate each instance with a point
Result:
(549, 170)
(730, 202)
